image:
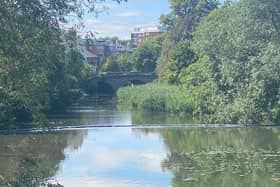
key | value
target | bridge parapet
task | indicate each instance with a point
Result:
(117, 80)
(123, 74)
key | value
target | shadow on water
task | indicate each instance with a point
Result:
(99, 111)
(102, 111)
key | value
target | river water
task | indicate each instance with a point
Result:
(99, 146)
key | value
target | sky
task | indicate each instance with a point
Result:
(120, 19)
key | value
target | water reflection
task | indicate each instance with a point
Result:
(139, 155)
(158, 118)
(102, 111)
(222, 156)
(116, 157)
(31, 160)
(93, 111)
(144, 157)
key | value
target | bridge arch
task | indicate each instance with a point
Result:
(104, 87)
(113, 81)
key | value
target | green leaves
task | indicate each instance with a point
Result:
(241, 42)
(181, 22)
(231, 60)
(179, 58)
(39, 62)
(144, 58)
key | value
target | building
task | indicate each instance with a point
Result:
(93, 59)
(95, 51)
(141, 34)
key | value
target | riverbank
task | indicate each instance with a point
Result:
(156, 97)
(174, 99)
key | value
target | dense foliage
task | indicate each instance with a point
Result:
(240, 43)
(229, 61)
(40, 66)
(184, 17)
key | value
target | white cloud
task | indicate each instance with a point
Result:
(104, 159)
(100, 182)
(106, 5)
(147, 24)
(99, 156)
(108, 28)
(101, 159)
(129, 13)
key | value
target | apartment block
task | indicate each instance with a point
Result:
(141, 34)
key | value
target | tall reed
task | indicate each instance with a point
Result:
(156, 97)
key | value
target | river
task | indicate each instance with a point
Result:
(97, 145)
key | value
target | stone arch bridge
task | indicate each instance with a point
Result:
(113, 81)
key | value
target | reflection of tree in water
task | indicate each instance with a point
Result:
(143, 118)
(222, 156)
(31, 160)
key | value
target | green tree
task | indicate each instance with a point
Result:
(241, 40)
(180, 57)
(145, 56)
(39, 62)
(189, 13)
(125, 62)
(110, 64)
(181, 23)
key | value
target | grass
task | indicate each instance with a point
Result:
(156, 97)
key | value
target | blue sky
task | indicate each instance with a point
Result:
(120, 19)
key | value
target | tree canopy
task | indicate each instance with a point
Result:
(226, 57)
(40, 64)
(235, 72)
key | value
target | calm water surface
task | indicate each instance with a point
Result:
(133, 153)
